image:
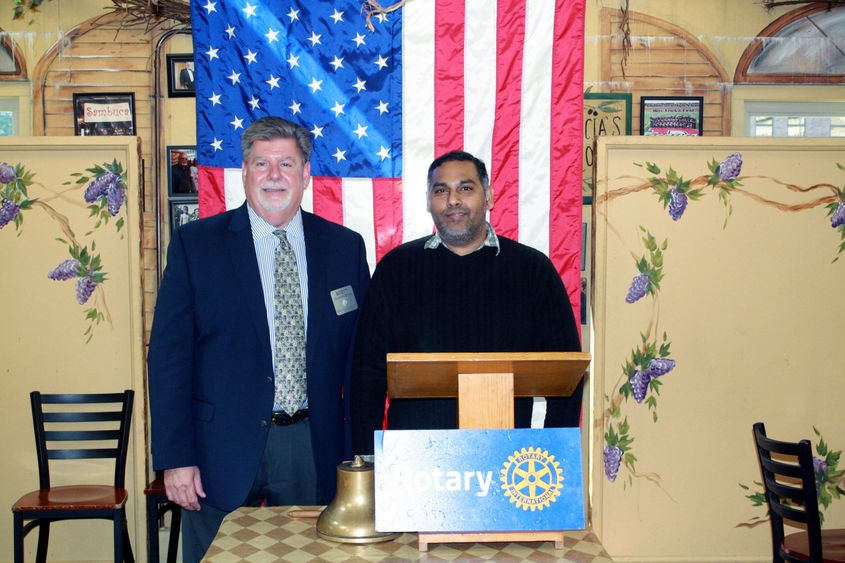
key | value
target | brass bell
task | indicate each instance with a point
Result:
(351, 516)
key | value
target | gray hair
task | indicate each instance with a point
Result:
(460, 156)
(270, 128)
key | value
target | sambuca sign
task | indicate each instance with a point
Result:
(478, 480)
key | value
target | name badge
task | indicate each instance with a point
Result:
(344, 300)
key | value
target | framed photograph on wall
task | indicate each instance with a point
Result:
(605, 114)
(183, 212)
(104, 114)
(182, 172)
(671, 115)
(180, 76)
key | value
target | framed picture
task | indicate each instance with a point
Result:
(104, 114)
(671, 115)
(182, 175)
(180, 76)
(183, 212)
(604, 114)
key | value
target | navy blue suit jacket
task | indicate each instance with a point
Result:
(210, 364)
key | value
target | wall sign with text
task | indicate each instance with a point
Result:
(605, 114)
(479, 480)
(104, 114)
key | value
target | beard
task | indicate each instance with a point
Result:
(278, 201)
(462, 237)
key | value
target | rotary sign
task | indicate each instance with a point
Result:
(479, 480)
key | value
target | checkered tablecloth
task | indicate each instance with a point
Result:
(269, 534)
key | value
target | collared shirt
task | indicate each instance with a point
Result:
(265, 251)
(490, 240)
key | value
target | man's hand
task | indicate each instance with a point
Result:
(183, 485)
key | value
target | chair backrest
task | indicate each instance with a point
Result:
(86, 420)
(790, 487)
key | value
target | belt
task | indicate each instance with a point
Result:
(284, 419)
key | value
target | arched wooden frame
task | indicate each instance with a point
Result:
(7, 44)
(720, 125)
(741, 75)
(39, 114)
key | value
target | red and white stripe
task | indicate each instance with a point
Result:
(504, 84)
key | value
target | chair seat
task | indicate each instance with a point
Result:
(155, 487)
(73, 497)
(833, 545)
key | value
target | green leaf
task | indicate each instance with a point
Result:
(821, 447)
(630, 461)
(672, 176)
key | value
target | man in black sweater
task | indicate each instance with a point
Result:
(463, 289)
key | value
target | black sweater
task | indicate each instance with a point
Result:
(432, 300)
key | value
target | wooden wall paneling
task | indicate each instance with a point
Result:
(664, 60)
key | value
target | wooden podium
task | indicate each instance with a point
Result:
(485, 385)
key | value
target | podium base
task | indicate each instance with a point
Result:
(426, 538)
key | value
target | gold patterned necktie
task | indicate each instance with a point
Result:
(290, 329)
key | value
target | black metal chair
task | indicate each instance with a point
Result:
(86, 418)
(157, 506)
(790, 486)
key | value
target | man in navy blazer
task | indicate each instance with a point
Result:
(217, 429)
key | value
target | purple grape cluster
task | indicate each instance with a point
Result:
(659, 366)
(612, 461)
(8, 211)
(65, 270)
(85, 286)
(638, 289)
(100, 186)
(7, 173)
(838, 217)
(639, 385)
(114, 198)
(730, 168)
(678, 203)
(820, 468)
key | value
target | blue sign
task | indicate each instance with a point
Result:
(478, 480)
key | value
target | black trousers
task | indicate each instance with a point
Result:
(286, 476)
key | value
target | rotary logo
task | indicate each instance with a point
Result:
(531, 478)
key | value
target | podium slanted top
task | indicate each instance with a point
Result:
(435, 375)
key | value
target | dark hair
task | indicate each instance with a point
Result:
(460, 156)
(270, 128)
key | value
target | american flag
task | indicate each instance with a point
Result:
(501, 79)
